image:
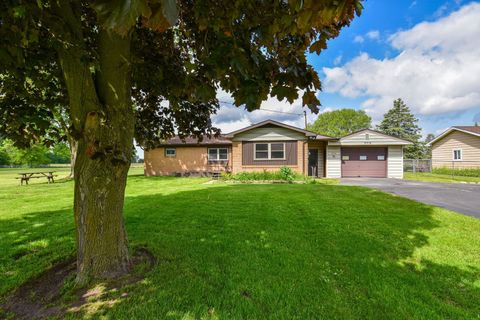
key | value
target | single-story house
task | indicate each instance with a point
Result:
(457, 147)
(269, 145)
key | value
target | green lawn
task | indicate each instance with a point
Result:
(433, 177)
(236, 251)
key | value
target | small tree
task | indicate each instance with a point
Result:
(341, 122)
(427, 148)
(400, 122)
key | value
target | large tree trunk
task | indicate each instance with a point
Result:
(73, 145)
(103, 122)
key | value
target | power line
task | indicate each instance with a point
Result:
(269, 110)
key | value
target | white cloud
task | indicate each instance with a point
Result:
(358, 39)
(230, 117)
(373, 35)
(437, 70)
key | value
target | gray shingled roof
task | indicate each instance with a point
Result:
(176, 140)
(474, 129)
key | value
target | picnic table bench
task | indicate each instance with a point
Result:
(25, 176)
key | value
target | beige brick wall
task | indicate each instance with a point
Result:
(187, 159)
(442, 150)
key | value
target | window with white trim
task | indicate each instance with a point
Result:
(363, 158)
(217, 154)
(457, 154)
(269, 151)
(170, 152)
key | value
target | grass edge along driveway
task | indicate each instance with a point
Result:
(260, 251)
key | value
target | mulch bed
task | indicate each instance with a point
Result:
(41, 297)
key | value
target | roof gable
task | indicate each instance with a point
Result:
(272, 123)
(473, 130)
(370, 137)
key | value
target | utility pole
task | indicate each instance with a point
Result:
(305, 116)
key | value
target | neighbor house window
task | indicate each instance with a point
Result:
(363, 158)
(380, 157)
(457, 154)
(270, 151)
(170, 152)
(217, 154)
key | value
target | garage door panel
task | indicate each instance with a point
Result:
(373, 163)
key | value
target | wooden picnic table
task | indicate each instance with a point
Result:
(25, 176)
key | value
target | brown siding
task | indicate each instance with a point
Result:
(248, 154)
(442, 150)
(191, 159)
(237, 158)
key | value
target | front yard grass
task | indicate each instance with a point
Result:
(434, 177)
(235, 251)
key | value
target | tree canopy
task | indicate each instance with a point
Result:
(340, 122)
(250, 49)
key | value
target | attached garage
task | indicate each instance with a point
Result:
(366, 153)
(364, 162)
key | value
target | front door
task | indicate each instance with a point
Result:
(313, 162)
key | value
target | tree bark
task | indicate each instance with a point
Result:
(73, 145)
(103, 125)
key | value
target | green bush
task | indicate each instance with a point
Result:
(287, 174)
(284, 174)
(473, 172)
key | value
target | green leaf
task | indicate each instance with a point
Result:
(170, 12)
(310, 99)
(318, 46)
(304, 19)
(120, 15)
(164, 15)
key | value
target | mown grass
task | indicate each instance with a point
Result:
(465, 172)
(235, 251)
(434, 177)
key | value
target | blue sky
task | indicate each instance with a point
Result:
(426, 52)
(396, 49)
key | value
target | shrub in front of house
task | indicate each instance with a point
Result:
(285, 174)
(464, 172)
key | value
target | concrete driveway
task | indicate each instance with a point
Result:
(463, 198)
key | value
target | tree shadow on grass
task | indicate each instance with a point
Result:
(275, 251)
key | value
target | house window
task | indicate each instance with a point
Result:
(270, 151)
(457, 154)
(170, 152)
(277, 150)
(217, 154)
(345, 158)
(363, 158)
(380, 157)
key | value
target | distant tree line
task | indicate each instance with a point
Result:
(35, 155)
(399, 121)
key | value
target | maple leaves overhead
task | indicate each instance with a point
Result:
(183, 51)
